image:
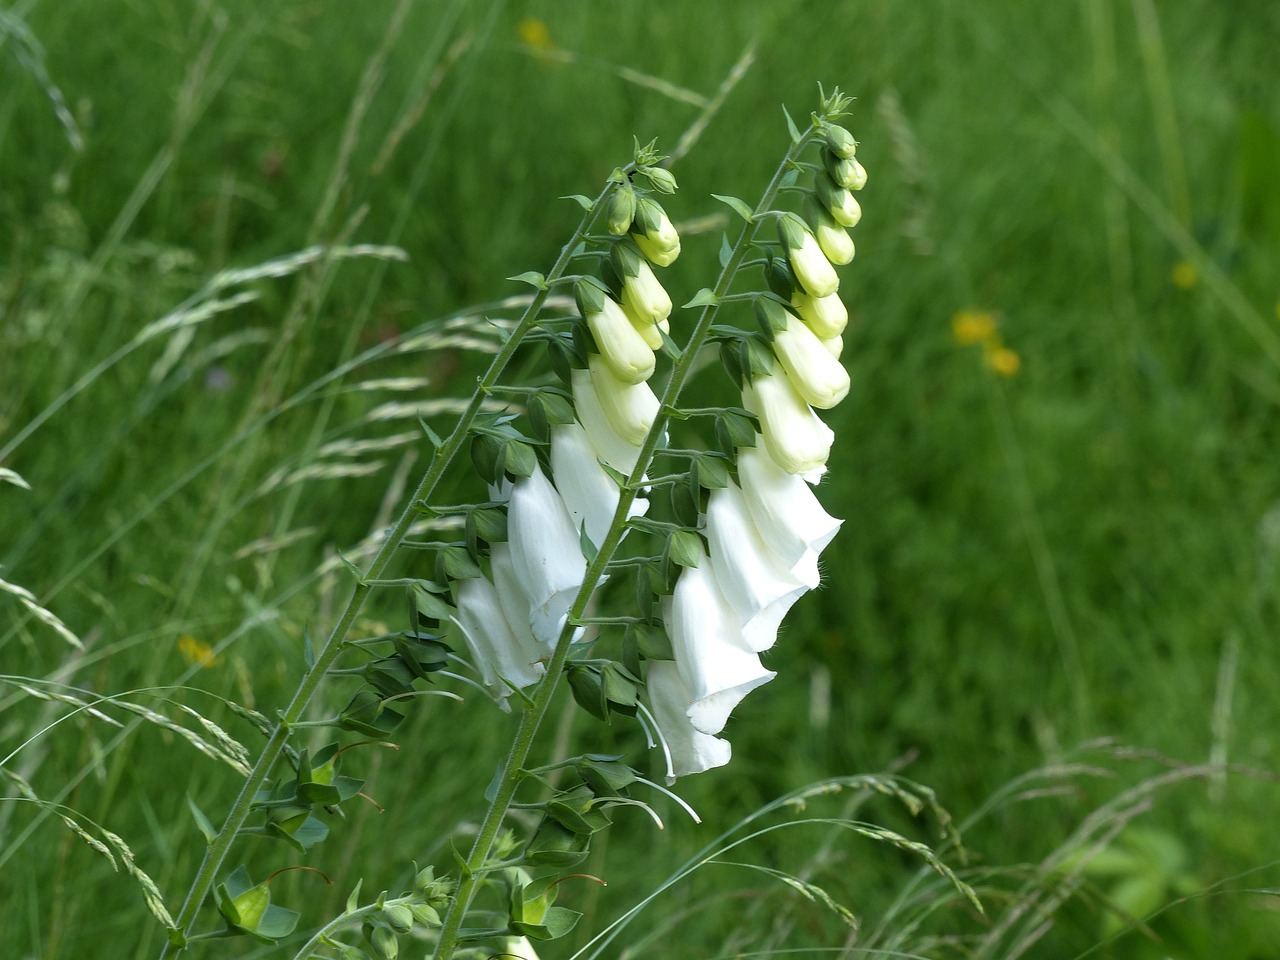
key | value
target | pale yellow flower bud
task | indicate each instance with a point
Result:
(621, 343)
(794, 437)
(826, 316)
(817, 376)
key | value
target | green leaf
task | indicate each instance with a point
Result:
(586, 203)
(588, 690)
(605, 775)
(713, 471)
(557, 846)
(487, 456)
(491, 524)
(521, 459)
(533, 278)
(459, 564)
(791, 126)
(431, 434)
(738, 428)
(576, 809)
(427, 599)
(726, 250)
(558, 922)
(703, 298)
(685, 548)
(353, 901)
(739, 207)
(203, 824)
(653, 642)
(366, 714)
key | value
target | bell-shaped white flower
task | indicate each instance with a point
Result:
(545, 553)
(795, 437)
(643, 297)
(826, 316)
(498, 652)
(688, 750)
(621, 344)
(610, 447)
(817, 376)
(589, 493)
(809, 264)
(785, 512)
(750, 573)
(629, 407)
(706, 636)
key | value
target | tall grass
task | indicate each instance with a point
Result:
(1084, 548)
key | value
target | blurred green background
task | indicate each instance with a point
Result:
(1058, 464)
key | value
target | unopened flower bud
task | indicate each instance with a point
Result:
(643, 297)
(622, 208)
(629, 408)
(399, 917)
(842, 170)
(621, 344)
(859, 179)
(834, 345)
(654, 233)
(838, 201)
(794, 436)
(662, 179)
(809, 264)
(835, 243)
(826, 316)
(817, 376)
(839, 140)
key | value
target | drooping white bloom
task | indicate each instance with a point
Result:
(689, 750)
(817, 376)
(498, 653)
(643, 297)
(826, 316)
(629, 407)
(714, 662)
(752, 576)
(785, 512)
(621, 344)
(610, 447)
(588, 492)
(545, 553)
(795, 437)
(513, 600)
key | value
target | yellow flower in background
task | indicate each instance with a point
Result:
(534, 33)
(973, 326)
(1184, 275)
(1000, 359)
(196, 652)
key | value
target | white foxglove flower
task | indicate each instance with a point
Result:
(629, 407)
(498, 653)
(826, 316)
(817, 376)
(643, 297)
(588, 492)
(512, 598)
(610, 447)
(834, 345)
(706, 635)
(795, 437)
(688, 750)
(545, 553)
(809, 264)
(621, 344)
(835, 243)
(750, 573)
(785, 512)
(654, 234)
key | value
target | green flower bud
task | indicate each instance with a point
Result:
(384, 942)
(399, 917)
(839, 140)
(622, 208)
(843, 170)
(662, 179)
(808, 262)
(654, 233)
(859, 177)
(838, 201)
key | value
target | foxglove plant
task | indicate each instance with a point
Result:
(720, 541)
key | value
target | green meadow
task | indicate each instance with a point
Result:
(246, 247)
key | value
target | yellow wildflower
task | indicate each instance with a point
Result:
(196, 651)
(973, 326)
(1001, 360)
(1184, 275)
(534, 33)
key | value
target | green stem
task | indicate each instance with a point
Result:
(513, 771)
(333, 646)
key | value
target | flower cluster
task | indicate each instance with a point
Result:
(765, 531)
(511, 620)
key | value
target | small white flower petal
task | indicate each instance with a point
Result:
(795, 437)
(755, 580)
(817, 376)
(545, 553)
(786, 513)
(494, 646)
(706, 635)
(689, 751)
(587, 490)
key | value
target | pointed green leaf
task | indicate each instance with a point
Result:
(459, 564)
(521, 459)
(791, 126)
(586, 203)
(703, 298)
(532, 278)
(739, 207)
(685, 548)
(203, 824)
